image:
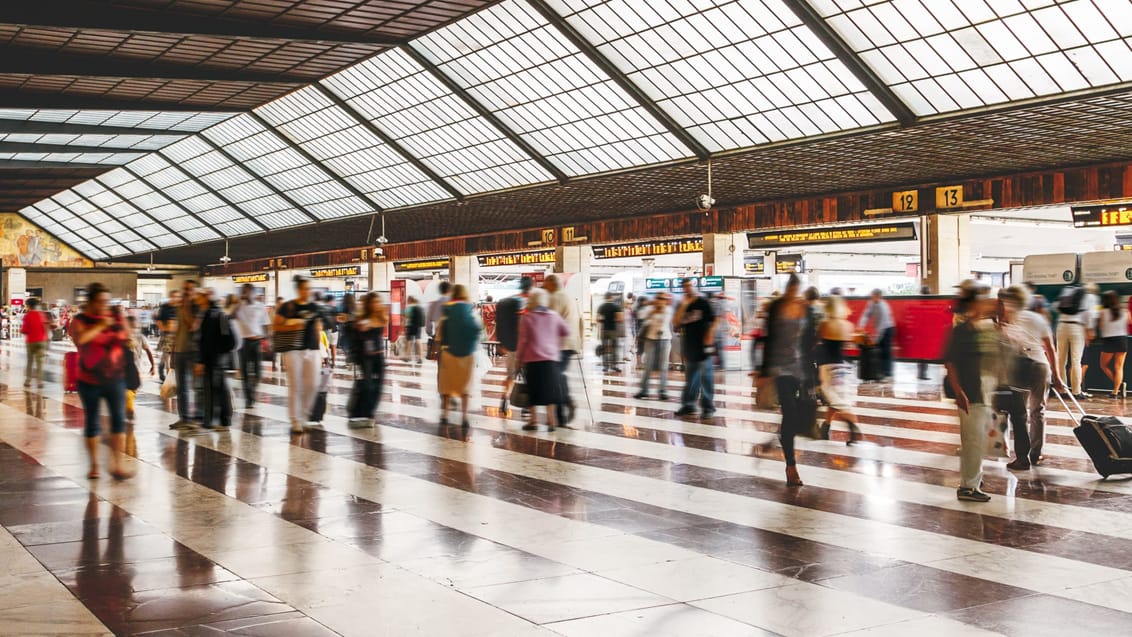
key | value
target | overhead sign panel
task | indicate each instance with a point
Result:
(1050, 269)
(258, 277)
(530, 257)
(1103, 215)
(754, 264)
(336, 272)
(858, 234)
(656, 248)
(1106, 267)
(789, 264)
(422, 265)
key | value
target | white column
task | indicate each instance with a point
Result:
(945, 251)
(723, 254)
(575, 260)
(381, 276)
(465, 271)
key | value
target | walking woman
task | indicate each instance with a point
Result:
(458, 333)
(656, 328)
(540, 336)
(299, 321)
(346, 313)
(1112, 330)
(837, 377)
(368, 339)
(101, 340)
(971, 360)
(783, 360)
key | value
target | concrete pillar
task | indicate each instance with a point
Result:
(723, 254)
(575, 260)
(381, 276)
(465, 271)
(945, 251)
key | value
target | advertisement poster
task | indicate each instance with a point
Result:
(923, 324)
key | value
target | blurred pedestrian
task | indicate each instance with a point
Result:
(971, 359)
(540, 350)
(656, 325)
(458, 334)
(368, 329)
(783, 361)
(301, 320)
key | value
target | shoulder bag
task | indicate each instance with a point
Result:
(434, 345)
(289, 341)
(520, 397)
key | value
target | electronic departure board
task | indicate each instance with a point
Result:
(854, 234)
(659, 247)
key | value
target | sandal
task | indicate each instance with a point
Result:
(93, 474)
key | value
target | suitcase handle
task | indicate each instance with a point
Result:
(1072, 414)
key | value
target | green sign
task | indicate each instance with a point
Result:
(656, 284)
(711, 282)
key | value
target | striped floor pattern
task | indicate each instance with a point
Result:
(634, 522)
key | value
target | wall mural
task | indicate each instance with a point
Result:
(24, 245)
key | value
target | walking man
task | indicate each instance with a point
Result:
(696, 322)
(251, 318)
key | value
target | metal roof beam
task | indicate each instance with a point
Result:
(36, 147)
(313, 160)
(14, 98)
(23, 164)
(852, 61)
(75, 14)
(294, 204)
(199, 219)
(619, 78)
(30, 127)
(483, 112)
(45, 63)
(389, 141)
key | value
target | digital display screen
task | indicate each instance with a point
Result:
(1102, 216)
(335, 272)
(687, 245)
(439, 263)
(533, 257)
(859, 234)
(260, 277)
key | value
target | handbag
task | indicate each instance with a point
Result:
(434, 346)
(289, 341)
(520, 397)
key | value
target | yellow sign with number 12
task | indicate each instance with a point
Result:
(906, 201)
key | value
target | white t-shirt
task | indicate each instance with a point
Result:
(1031, 330)
(658, 324)
(563, 304)
(1107, 327)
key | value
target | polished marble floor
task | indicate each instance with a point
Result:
(634, 522)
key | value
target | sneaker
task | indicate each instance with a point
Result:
(529, 427)
(1083, 396)
(662, 397)
(685, 411)
(708, 413)
(182, 424)
(972, 495)
(1019, 465)
(640, 395)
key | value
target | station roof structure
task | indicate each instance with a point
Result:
(135, 126)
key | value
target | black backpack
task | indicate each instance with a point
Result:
(1070, 300)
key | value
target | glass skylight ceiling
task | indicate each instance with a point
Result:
(237, 185)
(263, 152)
(336, 139)
(435, 125)
(948, 55)
(53, 218)
(161, 174)
(735, 74)
(125, 215)
(76, 217)
(511, 60)
(105, 211)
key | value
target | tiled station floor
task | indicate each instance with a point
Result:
(633, 523)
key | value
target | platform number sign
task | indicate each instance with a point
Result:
(948, 197)
(548, 236)
(568, 234)
(906, 201)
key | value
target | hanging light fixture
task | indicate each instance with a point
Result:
(225, 259)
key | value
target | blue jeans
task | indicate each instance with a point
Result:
(115, 395)
(186, 383)
(217, 399)
(656, 360)
(368, 388)
(699, 383)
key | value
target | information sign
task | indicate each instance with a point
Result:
(1102, 216)
(754, 264)
(659, 247)
(789, 264)
(857, 234)
(531, 257)
(421, 265)
(948, 197)
(258, 277)
(336, 272)
(906, 201)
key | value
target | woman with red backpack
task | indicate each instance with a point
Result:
(101, 340)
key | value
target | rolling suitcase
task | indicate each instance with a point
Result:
(71, 372)
(318, 411)
(1107, 440)
(869, 364)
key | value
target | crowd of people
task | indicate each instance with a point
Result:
(1003, 356)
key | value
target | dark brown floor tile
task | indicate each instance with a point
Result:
(110, 550)
(148, 611)
(1045, 616)
(292, 624)
(191, 569)
(924, 588)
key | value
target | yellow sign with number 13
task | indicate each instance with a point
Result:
(949, 197)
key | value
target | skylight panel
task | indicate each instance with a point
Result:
(518, 65)
(434, 125)
(735, 73)
(165, 182)
(985, 54)
(62, 205)
(341, 144)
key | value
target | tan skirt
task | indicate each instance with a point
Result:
(455, 378)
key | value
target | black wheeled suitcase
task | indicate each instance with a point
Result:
(868, 364)
(1107, 440)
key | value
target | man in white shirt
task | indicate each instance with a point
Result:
(251, 322)
(876, 321)
(561, 304)
(1032, 372)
